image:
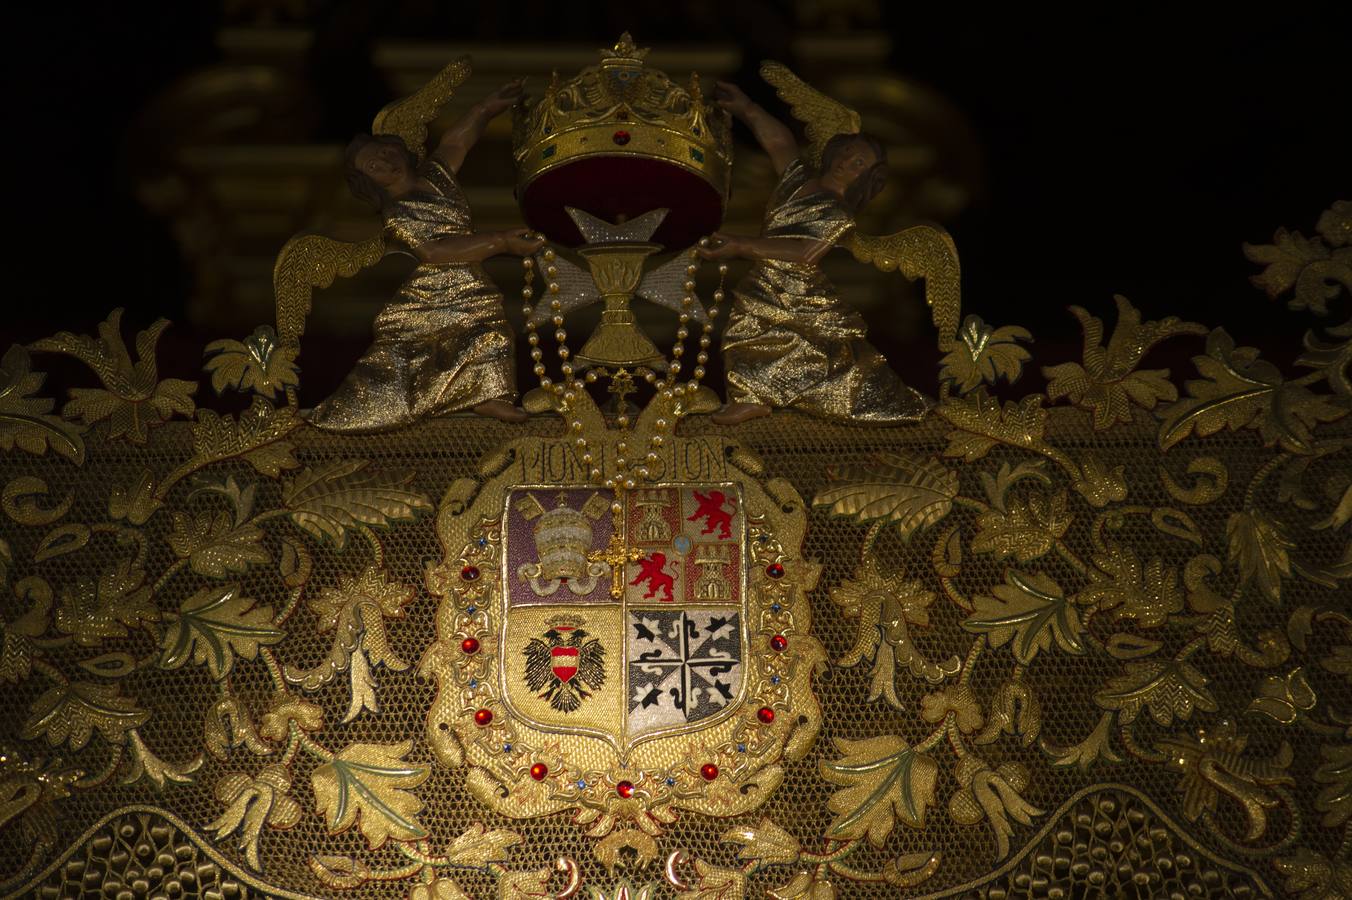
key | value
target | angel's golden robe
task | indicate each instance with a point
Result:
(443, 344)
(791, 341)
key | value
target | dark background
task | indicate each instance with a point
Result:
(1123, 154)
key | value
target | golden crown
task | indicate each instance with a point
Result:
(622, 108)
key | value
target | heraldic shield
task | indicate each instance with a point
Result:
(625, 625)
(622, 651)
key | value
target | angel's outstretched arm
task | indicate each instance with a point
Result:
(773, 135)
(788, 249)
(455, 144)
(479, 246)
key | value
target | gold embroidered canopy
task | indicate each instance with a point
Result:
(1093, 639)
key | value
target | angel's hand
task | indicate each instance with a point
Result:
(504, 98)
(732, 98)
(721, 246)
(522, 241)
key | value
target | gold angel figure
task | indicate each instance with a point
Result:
(791, 342)
(442, 345)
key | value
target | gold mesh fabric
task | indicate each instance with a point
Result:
(1103, 649)
(792, 447)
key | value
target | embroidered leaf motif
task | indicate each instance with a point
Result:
(1149, 596)
(911, 493)
(214, 625)
(255, 436)
(251, 803)
(1030, 527)
(1315, 271)
(1029, 610)
(367, 785)
(479, 846)
(356, 611)
(1261, 549)
(715, 883)
(254, 364)
(214, 548)
(992, 795)
(328, 499)
(26, 422)
(1108, 384)
(73, 712)
(1099, 484)
(883, 781)
(1167, 688)
(1239, 390)
(133, 399)
(887, 607)
(94, 611)
(531, 884)
(984, 354)
(981, 423)
(766, 844)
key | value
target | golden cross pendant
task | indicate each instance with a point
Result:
(615, 555)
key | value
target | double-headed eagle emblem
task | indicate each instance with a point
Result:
(567, 665)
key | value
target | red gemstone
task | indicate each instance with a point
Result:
(483, 716)
(539, 771)
(766, 714)
(774, 570)
(620, 137)
(708, 771)
(625, 789)
(470, 645)
(470, 573)
(778, 642)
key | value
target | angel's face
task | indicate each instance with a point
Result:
(856, 159)
(382, 163)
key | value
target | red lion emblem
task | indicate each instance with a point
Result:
(652, 570)
(710, 509)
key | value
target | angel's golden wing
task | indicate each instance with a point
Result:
(310, 261)
(408, 118)
(921, 251)
(822, 117)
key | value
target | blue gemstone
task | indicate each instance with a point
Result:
(506, 748)
(775, 607)
(670, 782)
(473, 683)
(695, 129)
(741, 748)
(471, 609)
(483, 542)
(774, 679)
(581, 785)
